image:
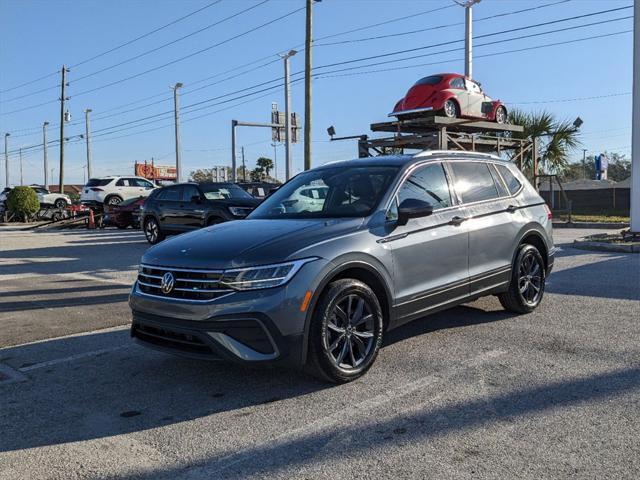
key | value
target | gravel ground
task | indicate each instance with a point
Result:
(472, 392)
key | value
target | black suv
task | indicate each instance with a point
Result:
(188, 206)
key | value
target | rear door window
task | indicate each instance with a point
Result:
(473, 181)
(188, 192)
(513, 184)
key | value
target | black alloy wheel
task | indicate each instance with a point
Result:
(528, 279)
(152, 231)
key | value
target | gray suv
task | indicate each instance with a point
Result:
(317, 284)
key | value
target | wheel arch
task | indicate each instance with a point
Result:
(111, 195)
(361, 270)
(534, 237)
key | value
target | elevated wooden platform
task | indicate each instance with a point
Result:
(435, 123)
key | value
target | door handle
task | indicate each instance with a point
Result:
(512, 208)
(457, 221)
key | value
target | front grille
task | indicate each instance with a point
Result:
(169, 338)
(192, 285)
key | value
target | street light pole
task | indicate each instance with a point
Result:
(21, 177)
(275, 160)
(6, 158)
(176, 113)
(287, 115)
(44, 153)
(87, 130)
(468, 38)
(308, 47)
(635, 130)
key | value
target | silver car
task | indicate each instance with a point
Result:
(395, 239)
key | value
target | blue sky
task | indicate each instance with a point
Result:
(39, 36)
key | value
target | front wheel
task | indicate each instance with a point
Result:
(152, 231)
(346, 331)
(527, 282)
(111, 201)
(60, 203)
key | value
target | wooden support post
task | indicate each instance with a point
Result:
(443, 144)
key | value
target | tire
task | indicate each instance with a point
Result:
(336, 352)
(450, 109)
(112, 200)
(152, 231)
(501, 115)
(527, 281)
(60, 203)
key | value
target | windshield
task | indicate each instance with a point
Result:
(432, 80)
(329, 192)
(223, 192)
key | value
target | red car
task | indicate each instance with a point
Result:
(124, 214)
(452, 95)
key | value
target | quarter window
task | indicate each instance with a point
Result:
(429, 184)
(457, 82)
(473, 181)
(513, 184)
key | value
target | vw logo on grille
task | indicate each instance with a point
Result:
(166, 285)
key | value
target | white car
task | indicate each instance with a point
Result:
(310, 199)
(45, 197)
(113, 190)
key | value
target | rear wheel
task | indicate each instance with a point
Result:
(152, 231)
(527, 281)
(346, 331)
(60, 203)
(501, 115)
(113, 200)
(450, 109)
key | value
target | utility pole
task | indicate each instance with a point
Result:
(308, 46)
(287, 115)
(6, 158)
(176, 114)
(635, 129)
(275, 160)
(244, 168)
(87, 136)
(44, 153)
(63, 98)
(468, 38)
(21, 177)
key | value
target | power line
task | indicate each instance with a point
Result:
(117, 47)
(438, 27)
(562, 100)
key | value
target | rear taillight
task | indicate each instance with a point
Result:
(549, 213)
(97, 190)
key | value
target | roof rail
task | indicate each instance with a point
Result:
(457, 153)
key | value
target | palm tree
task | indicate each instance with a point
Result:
(266, 164)
(556, 140)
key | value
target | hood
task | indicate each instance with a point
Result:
(236, 202)
(243, 243)
(418, 96)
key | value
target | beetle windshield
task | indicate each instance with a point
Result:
(329, 193)
(432, 80)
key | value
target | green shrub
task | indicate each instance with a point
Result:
(23, 202)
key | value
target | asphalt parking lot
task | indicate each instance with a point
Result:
(473, 392)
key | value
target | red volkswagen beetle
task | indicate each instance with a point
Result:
(452, 95)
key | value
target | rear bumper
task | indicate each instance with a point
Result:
(551, 259)
(410, 112)
(242, 338)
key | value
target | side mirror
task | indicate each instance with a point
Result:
(413, 208)
(196, 199)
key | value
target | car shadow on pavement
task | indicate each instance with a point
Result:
(132, 388)
(338, 442)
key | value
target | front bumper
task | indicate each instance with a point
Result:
(246, 326)
(245, 338)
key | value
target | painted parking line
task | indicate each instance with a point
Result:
(72, 358)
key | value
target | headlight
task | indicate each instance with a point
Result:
(240, 211)
(265, 276)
